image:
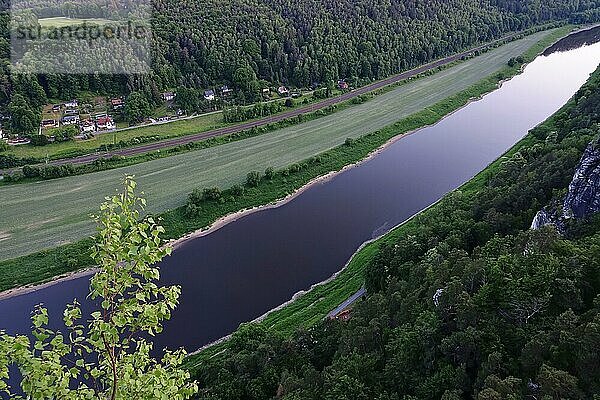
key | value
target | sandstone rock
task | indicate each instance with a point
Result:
(583, 197)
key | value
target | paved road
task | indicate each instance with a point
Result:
(150, 147)
(351, 300)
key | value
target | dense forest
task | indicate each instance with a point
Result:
(469, 304)
(248, 43)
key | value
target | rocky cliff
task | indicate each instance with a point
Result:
(583, 197)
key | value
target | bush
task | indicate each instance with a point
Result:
(3, 146)
(65, 133)
(39, 140)
(56, 171)
(270, 173)
(253, 178)
(321, 93)
(48, 172)
(31, 172)
(237, 190)
(195, 197)
(349, 142)
(192, 210)
(213, 193)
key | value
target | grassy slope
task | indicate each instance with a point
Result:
(58, 211)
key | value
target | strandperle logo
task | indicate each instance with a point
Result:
(85, 31)
(80, 37)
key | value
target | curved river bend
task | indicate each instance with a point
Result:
(252, 265)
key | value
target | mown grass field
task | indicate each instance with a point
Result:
(45, 214)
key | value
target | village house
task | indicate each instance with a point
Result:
(87, 126)
(49, 123)
(209, 95)
(105, 124)
(226, 91)
(169, 96)
(117, 103)
(56, 108)
(71, 104)
(71, 111)
(70, 120)
(266, 91)
(283, 91)
(95, 117)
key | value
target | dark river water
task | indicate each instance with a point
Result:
(250, 266)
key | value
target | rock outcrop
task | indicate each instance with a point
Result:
(583, 197)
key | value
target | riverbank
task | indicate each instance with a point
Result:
(43, 266)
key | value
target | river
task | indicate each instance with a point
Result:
(252, 265)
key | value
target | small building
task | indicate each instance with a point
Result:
(117, 103)
(266, 91)
(209, 95)
(19, 141)
(70, 120)
(72, 104)
(95, 117)
(343, 85)
(283, 91)
(168, 96)
(105, 124)
(87, 126)
(226, 91)
(344, 315)
(49, 123)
